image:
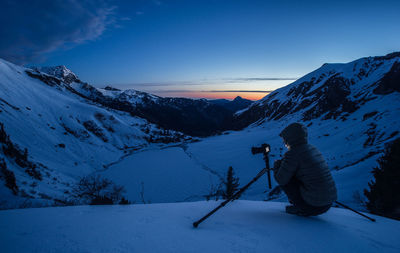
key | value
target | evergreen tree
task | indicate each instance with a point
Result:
(4, 138)
(9, 177)
(383, 196)
(231, 184)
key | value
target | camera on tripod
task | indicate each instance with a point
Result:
(264, 148)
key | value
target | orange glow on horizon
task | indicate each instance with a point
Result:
(220, 95)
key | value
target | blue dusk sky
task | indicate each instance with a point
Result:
(209, 48)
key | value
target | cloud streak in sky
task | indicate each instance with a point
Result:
(259, 79)
(207, 81)
(31, 29)
(263, 79)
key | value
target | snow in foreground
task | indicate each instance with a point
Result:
(242, 226)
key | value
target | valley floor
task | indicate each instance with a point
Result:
(241, 226)
(189, 172)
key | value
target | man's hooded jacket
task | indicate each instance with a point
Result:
(307, 164)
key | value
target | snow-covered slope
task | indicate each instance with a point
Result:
(65, 135)
(334, 91)
(242, 226)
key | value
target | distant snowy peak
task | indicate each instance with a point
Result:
(61, 72)
(330, 92)
(135, 96)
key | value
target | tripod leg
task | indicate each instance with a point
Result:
(347, 207)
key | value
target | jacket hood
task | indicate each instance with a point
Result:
(294, 134)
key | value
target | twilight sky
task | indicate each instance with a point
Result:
(196, 48)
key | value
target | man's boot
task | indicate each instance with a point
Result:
(295, 210)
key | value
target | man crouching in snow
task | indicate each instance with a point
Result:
(304, 175)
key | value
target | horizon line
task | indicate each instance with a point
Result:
(205, 81)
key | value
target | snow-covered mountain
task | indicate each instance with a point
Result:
(334, 91)
(356, 104)
(51, 136)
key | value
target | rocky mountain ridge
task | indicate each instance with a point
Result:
(196, 117)
(334, 91)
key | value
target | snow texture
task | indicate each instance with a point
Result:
(242, 226)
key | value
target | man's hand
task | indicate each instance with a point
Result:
(277, 164)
